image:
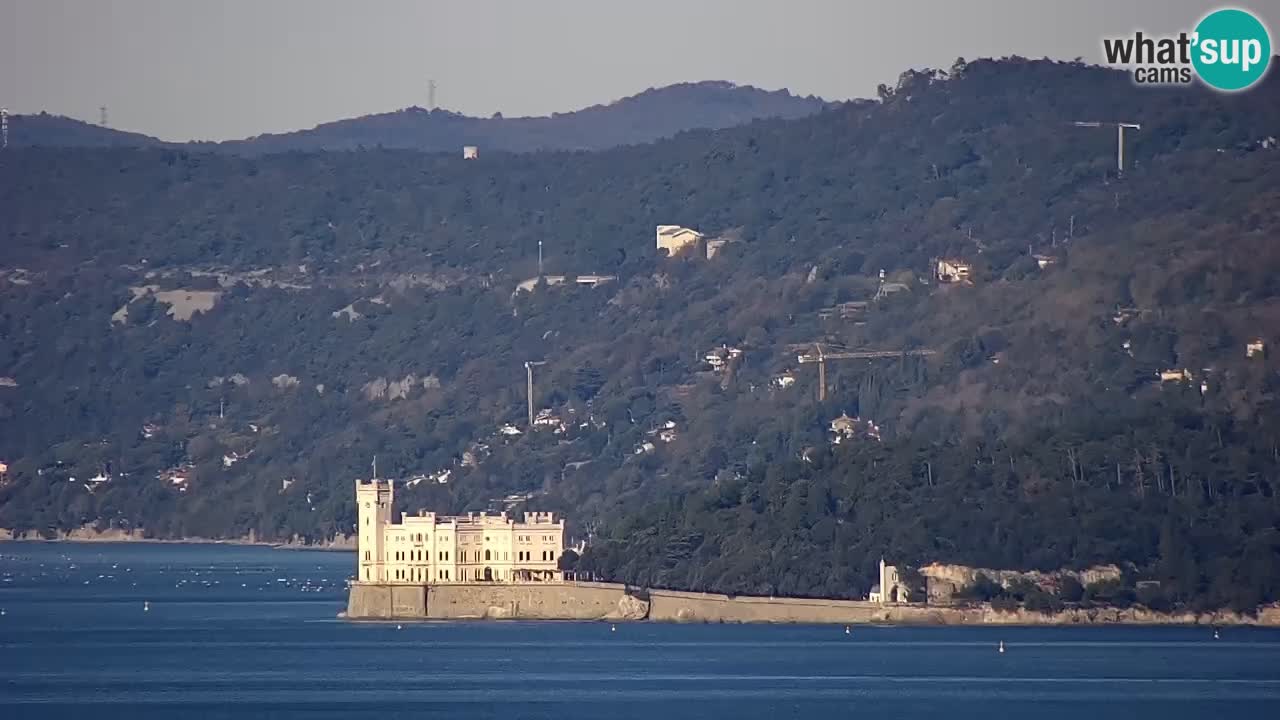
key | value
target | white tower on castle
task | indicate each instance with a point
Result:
(374, 500)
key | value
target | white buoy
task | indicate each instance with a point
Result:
(1001, 646)
(399, 627)
(1215, 634)
(613, 628)
(846, 629)
(146, 606)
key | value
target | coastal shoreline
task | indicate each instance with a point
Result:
(612, 602)
(88, 536)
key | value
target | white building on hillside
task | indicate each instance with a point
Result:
(890, 588)
(430, 548)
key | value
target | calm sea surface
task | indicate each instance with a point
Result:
(237, 632)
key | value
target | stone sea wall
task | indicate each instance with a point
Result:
(613, 602)
(493, 601)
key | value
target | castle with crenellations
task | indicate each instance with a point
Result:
(427, 548)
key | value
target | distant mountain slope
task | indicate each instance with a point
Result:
(45, 130)
(648, 116)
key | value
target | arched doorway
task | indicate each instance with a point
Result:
(488, 574)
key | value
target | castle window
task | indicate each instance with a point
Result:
(551, 555)
(486, 554)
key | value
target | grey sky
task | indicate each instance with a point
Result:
(182, 69)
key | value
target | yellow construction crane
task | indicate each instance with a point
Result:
(821, 356)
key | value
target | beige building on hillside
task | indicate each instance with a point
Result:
(674, 238)
(430, 548)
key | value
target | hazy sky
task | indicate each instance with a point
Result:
(218, 69)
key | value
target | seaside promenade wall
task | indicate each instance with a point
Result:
(677, 606)
(615, 602)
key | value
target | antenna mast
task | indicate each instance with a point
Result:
(431, 94)
(4, 128)
(102, 116)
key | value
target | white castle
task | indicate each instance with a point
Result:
(477, 547)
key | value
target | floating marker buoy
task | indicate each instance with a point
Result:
(399, 627)
(146, 606)
(846, 629)
(1215, 634)
(1001, 646)
(613, 628)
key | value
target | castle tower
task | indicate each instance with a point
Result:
(373, 510)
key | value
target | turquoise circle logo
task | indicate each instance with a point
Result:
(1232, 49)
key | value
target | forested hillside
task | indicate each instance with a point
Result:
(642, 118)
(48, 130)
(213, 344)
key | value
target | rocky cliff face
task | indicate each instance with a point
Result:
(962, 576)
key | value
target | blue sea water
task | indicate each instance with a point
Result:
(245, 632)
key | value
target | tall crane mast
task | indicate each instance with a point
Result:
(528, 369)
(1120, 128)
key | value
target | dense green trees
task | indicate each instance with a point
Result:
(382, 283)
